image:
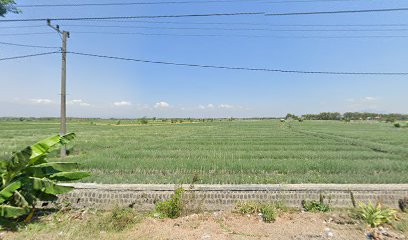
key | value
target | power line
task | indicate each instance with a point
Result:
(216, 35)
(220, 23)
(131, 3)
(338, 12)
(207, 15)
(239, 29)
(173, 2)
(28, 56)
(260, 24)
(208, 66)
(240, 35)
(135, 17)
(237, 68)
(25, 45)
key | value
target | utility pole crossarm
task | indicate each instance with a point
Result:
(63, 125)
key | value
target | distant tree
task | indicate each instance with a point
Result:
(144, 121)
(291, 116)
(7, 6)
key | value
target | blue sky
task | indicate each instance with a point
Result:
(112, 88)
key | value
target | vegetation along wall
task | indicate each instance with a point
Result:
(218, 197)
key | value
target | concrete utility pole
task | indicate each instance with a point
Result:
(63, 124)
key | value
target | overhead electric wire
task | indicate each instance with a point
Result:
(27, 56)
(134, 17)
(338, 12)
(207, 15)
(131, 3)
(207, 66)
(238, 29)
(260, 24)
(101, 4)
(236, 68)
(26, 45)
(241, 35)
(216, 35)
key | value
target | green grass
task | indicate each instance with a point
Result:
(227, 151)
(78, 225)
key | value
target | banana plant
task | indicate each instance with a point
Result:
(28, 178)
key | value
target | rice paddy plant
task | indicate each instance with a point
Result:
(227, 151)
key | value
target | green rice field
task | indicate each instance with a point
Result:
(228, 152)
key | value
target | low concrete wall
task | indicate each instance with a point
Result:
(217, 197)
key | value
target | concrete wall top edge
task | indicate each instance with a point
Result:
(243, 187)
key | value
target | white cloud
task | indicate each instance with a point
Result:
(161, 105)
(122, 103)
(220, 106)
(79, 102)
(370, 99)
(228, 106)
(40, 101)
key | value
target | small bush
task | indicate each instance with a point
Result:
(249, 207)
(403, 204)
(119, 219)
(144, 121)
(315, 206)
(269, 212)
(397, 125)
(173, 207)
(375, 215)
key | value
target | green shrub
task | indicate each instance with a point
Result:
(144, 121)
(119, 219)
(375, 215)
(248, 207)
(315, 206)
(397, 125)
(269, 212)
(173, 207)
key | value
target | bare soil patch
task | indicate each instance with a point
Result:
(218, 226)
(223, 225)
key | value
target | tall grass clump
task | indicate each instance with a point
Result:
(268, 211)
(375, 215)
(173, 207)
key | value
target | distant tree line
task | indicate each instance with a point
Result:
(350, 116)
(392, 117)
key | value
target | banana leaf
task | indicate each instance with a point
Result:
(59, 166)
(42, 147)
(20, 200)
(69, 176)
(8, 211)
(8, 191)
(48, 186)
